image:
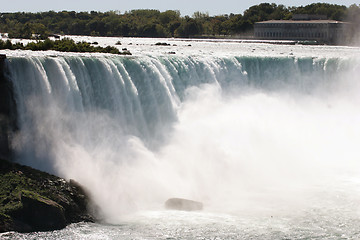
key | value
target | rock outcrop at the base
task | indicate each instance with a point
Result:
(31, 200)
(183, 204)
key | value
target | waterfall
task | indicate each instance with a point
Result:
(135, 130)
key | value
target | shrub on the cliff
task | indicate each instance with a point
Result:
(63, 45)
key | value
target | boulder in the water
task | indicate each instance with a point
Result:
(183, 204)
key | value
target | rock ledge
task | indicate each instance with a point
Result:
(31, 200)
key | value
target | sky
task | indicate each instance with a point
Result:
(186, 7)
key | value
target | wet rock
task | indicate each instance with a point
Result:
(162, 44)
(40, 213)
(183, 204)
(32, 200)
(7, 110)
(126, 52)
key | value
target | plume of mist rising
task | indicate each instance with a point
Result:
(238, 153)
(352, 31)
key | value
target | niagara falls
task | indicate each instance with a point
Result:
(265, 136)
(164, 120)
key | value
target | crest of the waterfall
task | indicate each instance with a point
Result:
(136, 131)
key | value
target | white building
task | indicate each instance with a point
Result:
(322, 31)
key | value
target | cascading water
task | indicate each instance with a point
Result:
(246, 135)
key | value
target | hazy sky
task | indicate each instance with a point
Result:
(186, 7)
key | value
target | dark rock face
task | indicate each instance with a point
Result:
(31, 200)
(4, 111)
(183, 204)
(7, 110)
(41, 214)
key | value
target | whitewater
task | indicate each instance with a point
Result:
(265, 135)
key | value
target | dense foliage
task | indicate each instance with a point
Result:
(63, 45)
(153, 23)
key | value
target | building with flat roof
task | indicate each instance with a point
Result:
(321, 31)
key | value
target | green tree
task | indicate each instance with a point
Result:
(153, 23)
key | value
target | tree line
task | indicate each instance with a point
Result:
(154, 23)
